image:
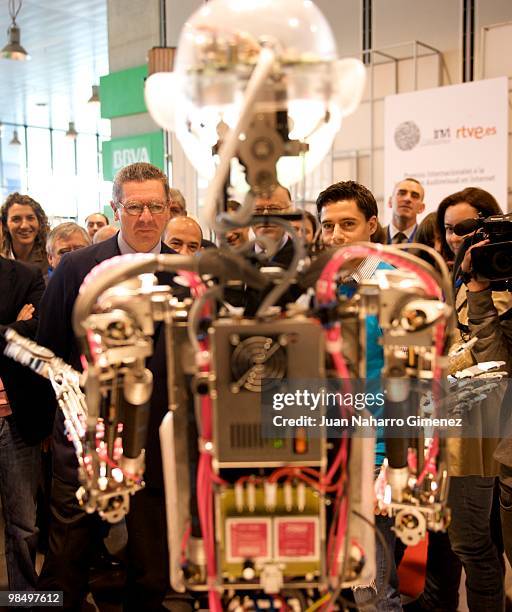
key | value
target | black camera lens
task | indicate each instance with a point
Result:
(501, 261)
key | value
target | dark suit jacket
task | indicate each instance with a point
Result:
(253, 297)
(22, 284)
(55, 331)
(388, 240)
(208, 244)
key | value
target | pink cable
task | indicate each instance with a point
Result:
(340, 536)
(326, 292)
(325, 287)
(337, 535)
(333, 335)
(205, 478)
(430, 461)
(197, 288)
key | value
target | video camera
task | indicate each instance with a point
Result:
(491, 262)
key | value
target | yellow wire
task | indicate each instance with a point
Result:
(319, 603)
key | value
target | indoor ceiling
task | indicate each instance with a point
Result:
(68, 45)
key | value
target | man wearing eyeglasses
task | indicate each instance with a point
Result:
(142, 209)
(276, 201)
(141, 205)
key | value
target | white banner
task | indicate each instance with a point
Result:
(448, 138)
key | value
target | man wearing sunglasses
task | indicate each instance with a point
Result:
(141, 205)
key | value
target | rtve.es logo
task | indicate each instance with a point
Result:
(478, 132)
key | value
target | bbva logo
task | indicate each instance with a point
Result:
(123, 157)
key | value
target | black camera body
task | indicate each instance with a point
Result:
(493, 262)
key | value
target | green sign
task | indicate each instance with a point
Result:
(109, 213)
(120, 152)
(122, 93)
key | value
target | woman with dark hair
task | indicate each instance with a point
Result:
(472, 467)
(470, 203)
(24, 231)
(427, 232)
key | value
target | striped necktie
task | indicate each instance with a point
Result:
(399, 237)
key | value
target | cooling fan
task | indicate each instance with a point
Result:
(257, 362)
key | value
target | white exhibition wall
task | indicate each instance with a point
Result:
(399, 66)
(449, 138)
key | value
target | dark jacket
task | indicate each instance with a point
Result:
(208, 244)
(55, 332)
(252, 298)
(21, 284)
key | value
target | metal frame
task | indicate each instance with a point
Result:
(480, 69)
(389, 54)
(483, 42)
(468, 41)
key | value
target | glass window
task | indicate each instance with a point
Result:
(63, 154)
(39, 166)
(46, 170)
(12, 160)
(87, 155)
(39, 152)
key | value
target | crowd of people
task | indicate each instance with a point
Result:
(152, 217)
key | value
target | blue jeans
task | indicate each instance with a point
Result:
(390, 595)
(20, 469)
(442, 578)
(471, 500)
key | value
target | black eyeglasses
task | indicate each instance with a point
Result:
(271, 209)
(137, 208)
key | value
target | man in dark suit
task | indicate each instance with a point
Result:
(406, 204)
(23, 424)
(276, 201)
(141, 205)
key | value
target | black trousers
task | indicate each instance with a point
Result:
(506, 508)
(75, 536)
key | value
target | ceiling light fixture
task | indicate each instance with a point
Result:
(15, 140)
(239, 68)
(71, 133)
(95, 98)
(13, 49)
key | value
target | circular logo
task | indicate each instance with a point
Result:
(407, 135)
